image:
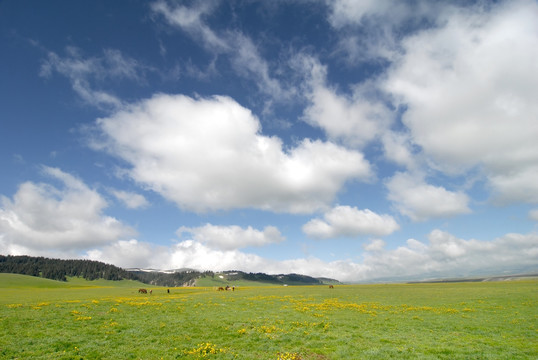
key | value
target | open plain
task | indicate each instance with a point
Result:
(79, 319)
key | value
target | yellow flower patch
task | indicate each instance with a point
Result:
(204, 350)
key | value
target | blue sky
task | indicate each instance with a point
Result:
(358, 140)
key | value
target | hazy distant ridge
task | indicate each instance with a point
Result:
(58, 269)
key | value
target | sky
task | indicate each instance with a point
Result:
(356, 140)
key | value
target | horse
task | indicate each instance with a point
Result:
(142, 291)
(331, 286)
(221, 289)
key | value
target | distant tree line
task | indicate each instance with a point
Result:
(290, 279)
(57, 269)
(168, 279)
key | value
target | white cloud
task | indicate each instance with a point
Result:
(421, 201)
(190, 19)
(350, 221)
(130, 199)
(209, 154)
(533, 214)
(350, 12)
(371, 30)
(375, 245)
(196, 255)
(248, 62)
(185, 254)
(355, 119)
(193, 254)
(517, 185)
(85, 74)
(41, 217)
(444, 255)
(397, 147)
(244, 54)
(469, 88)
(467, 80)
(232, 237)
(132, 254)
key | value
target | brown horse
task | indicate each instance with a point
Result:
(221, 289)
(142, 291)
(331, 286)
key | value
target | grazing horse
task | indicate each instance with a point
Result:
(331, 286)
(221, 288)
(142, 291)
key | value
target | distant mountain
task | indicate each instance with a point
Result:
(280, 279)
(480, 279)
(57, 269)
(171, 271)
(190, 276)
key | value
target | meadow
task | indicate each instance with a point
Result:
(45, 319)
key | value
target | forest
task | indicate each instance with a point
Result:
(57, 269)
(61, 270)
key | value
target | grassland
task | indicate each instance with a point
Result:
(43, 319)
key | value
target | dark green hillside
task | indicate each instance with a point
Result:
(25, 281)
(56, 269)
(281, 279)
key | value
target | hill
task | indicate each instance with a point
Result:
(57, 269)
(240, 277)
(25, 281)
(190, 277)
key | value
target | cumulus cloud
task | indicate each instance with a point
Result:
(354, 119)
(517, 185)
(350, 221)
(196, 255)
(465, 73)
(130, 200)
(398, 148)
(444, 255)
(232, 237)
(185, 254)
(68, 219)
(131, 254)
(375, 245)
(450, 256)
(209, 154)
(479, 107)
(421, 201)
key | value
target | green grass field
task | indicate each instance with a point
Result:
(43, 319)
